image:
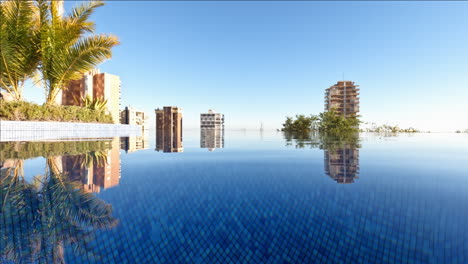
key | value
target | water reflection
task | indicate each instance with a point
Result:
(341, 153)
(211, 138)
(168, 141)
(96, 170)
(169, 129)
(132, 144)
(342, 164)
(41, 217)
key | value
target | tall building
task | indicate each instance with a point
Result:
(342, 164)
(212, 120)
(211, 130)
(131, 116)
(343, 98)
(95, 85)
(169, 129)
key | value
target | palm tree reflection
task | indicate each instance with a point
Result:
(39, 219)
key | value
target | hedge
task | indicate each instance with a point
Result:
(26, 111)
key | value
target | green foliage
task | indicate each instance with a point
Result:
(27, 150)
(19, 44)
(69, 46)
(93, 104)
(390, 129)
(37, 38)
(25, 111)
(96, 158)
(302, 123)
(330, 122)
(325, 141)
(326, 122)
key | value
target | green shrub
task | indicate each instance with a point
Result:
(25, 111)
(326, 122)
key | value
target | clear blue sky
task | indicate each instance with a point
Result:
(261, 61)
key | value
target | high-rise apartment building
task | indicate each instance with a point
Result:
(212, 120)
(169, 129)
(95, 85)
(131, 116)
(343, 98)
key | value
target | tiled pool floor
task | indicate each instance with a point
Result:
(260, 199)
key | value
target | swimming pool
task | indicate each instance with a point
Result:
(259, 197)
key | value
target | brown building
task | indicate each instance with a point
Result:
(95, 85)
(342, 165)
(343, 98)
(169, 129)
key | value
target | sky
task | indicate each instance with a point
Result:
(257, 62)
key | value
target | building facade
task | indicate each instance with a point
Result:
(343, 98)
(212, 120)
(169, 129)
(131, 116)
(95, 85)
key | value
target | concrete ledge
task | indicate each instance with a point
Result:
(36, 130)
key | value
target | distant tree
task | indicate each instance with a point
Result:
(331, 122)
(326, 122)
(302, 123)
(387, 129)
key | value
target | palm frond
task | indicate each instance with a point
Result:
(66, 53)
(80, 15)
(19, 41)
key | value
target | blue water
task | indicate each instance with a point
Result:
(261, 199)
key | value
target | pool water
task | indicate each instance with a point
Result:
(254, 197)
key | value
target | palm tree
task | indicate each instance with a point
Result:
(66, 52)
(19, 41)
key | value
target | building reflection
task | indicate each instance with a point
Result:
(342, 164)
(55, 210)
(341, 153)
(133, 144)
(96, 170)
(211, 130)
(11, 167)
(211, 138)
(169, 129)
